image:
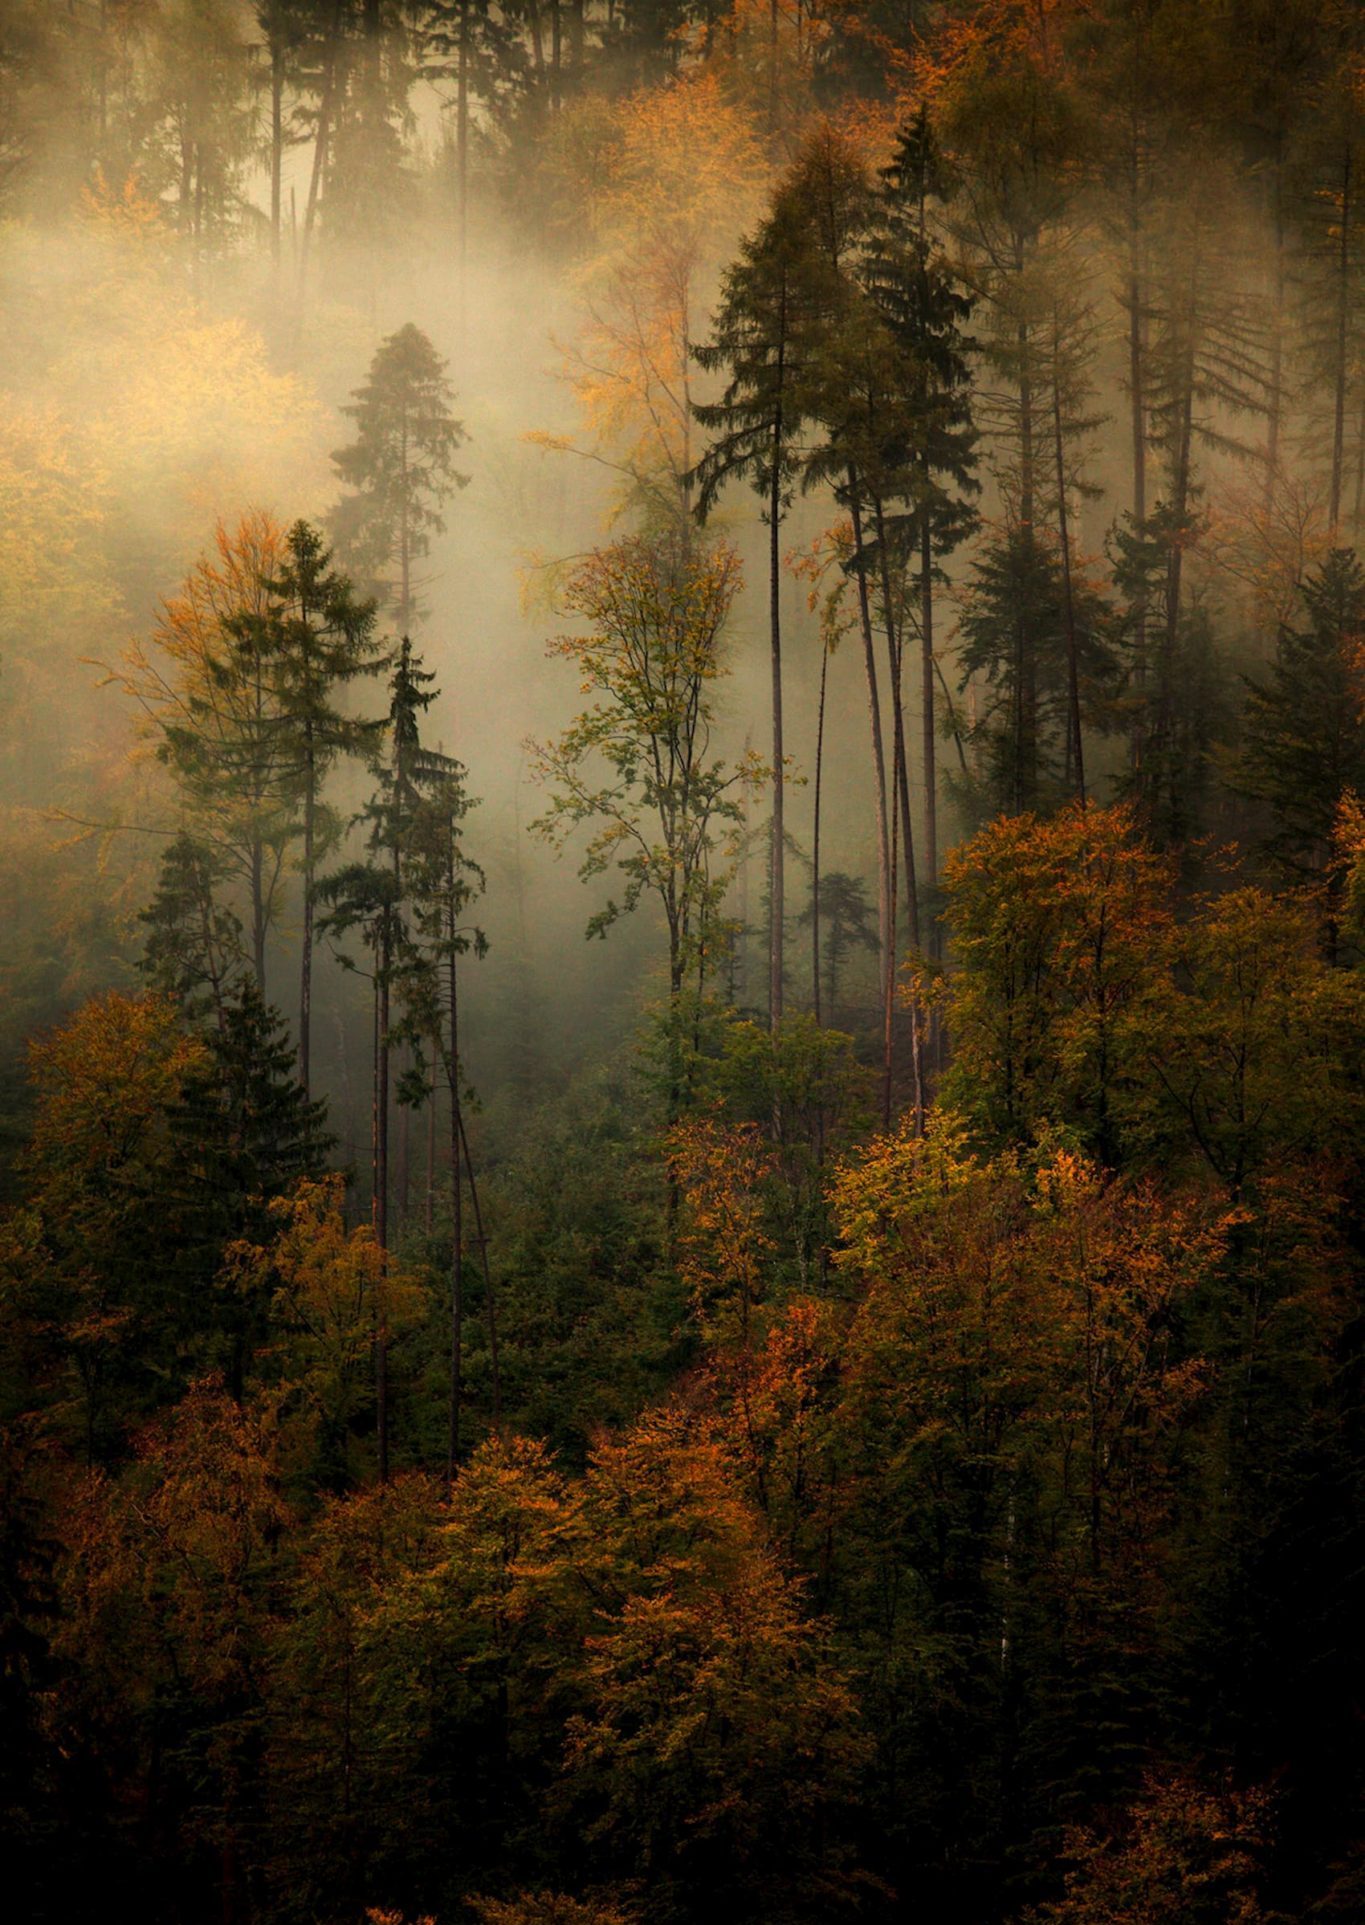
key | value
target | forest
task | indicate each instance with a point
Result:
(682, 962)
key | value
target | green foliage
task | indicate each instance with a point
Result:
(400, 467)
(1304, 728)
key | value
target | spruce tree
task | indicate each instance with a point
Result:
(761, 339)
(193, 950)
(400, 467)
(926, 310)
(323, 639)
(1304, 738)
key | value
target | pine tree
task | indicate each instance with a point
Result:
(1304, 736)
(757, 338)
(193, 947)
(369, 898)
(1018, 630)
(323, 639)
(926, 309)
(401, 466)
(247, 1132)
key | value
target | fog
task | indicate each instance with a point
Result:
(158, 385)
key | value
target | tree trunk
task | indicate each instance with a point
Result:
(1138, 421)
(320, 144)
(1075, 749)
(456, 1226)
(930, 734)
(490, 1302)
(258, 913)
(815, 844)
(306, 962)
(380, 1201)
(900, 763)
(276, 148)
(885, 933)
(777, 850)
(1340, 370)
(462, 161)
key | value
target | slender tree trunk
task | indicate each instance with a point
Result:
(322, 138)
(1137, 403)
(490, 1301)
(777, 850)
(1342, 337)
(306, 961)
(815, 843)
(900, 758)
(404, 534)
(429, 1204)
(462, 162)
(885, 931)
(258, 913)
(456, 1224)
(276, 149)
(1272, 445)
(380, 1201)
(1075, 748)
(1026, 457)
(930, 733)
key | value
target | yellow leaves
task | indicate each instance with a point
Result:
(722, 1170)
(105, 1081)
(673, 175)
(899, 1175)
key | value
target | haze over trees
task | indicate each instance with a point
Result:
(682, 961)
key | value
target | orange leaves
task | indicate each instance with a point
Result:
(104, 1083)
(1058, 926)
(1185, 1850)
(1022, 1325)
(671, 180)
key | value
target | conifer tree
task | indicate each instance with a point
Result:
(926, 309)
(193, 947)
(400, 467)
(369, 898)
(760, 338)
(1304, 744)
(323, 640)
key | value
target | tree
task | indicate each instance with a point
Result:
(925, 307)
(846, 926)
(400, 467)
(636, 767)
(370, 897)
(193, 947)
(212, 700)
(246, 1132)
(757, 338)
(322, 639)
(100, 1168)
(443, 881)
(1057, 931)
(1040, 641)
(1304, 745)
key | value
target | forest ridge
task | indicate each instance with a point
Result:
(682, 961)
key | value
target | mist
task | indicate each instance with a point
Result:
(682, 959)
